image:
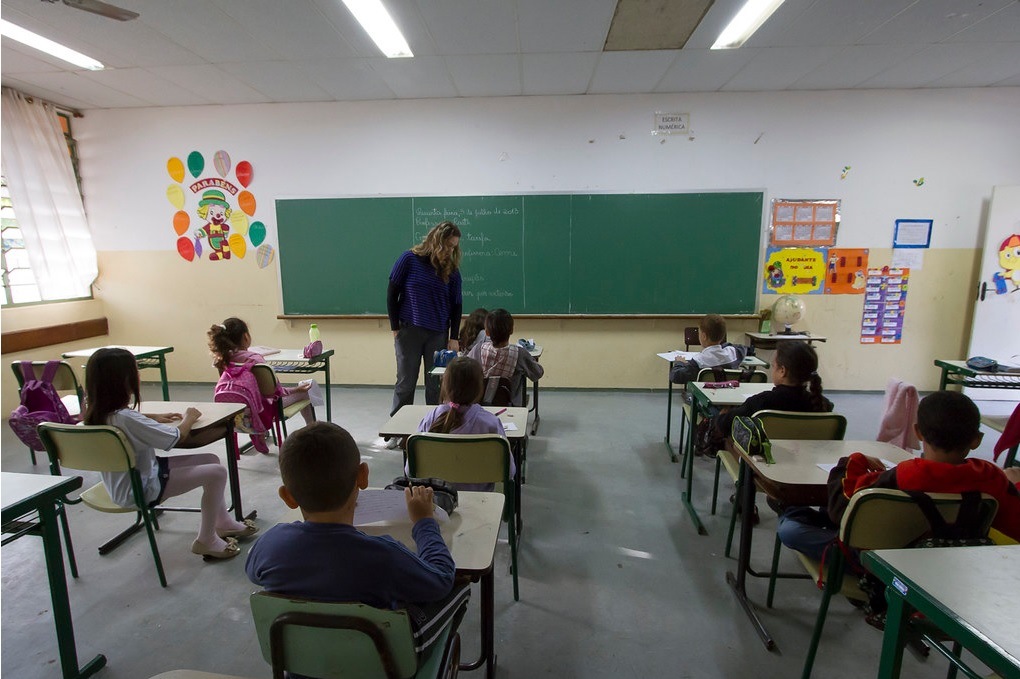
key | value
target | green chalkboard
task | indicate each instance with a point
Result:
(680, 253)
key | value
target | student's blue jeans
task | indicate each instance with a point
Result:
(807, 530)
(413, 345)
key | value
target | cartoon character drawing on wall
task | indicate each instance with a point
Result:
(775, 273)
(1009, 260)
(215, 208)
(859, 281)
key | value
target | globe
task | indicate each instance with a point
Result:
(788, 310)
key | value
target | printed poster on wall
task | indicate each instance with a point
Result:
(885, 301)
(846, 271)
(794, 271)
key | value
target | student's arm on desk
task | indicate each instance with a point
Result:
(428, 576)
(527, 363)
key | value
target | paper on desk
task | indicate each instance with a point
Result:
(509, 426)
(386, 507)
(673, 355)
(829, 467)
(264, 351)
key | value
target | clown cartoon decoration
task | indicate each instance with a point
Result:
(215, 208)
(1009, 260)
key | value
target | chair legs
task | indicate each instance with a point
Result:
(31, 453)
(510, 516)
(71, 561)
(715, 486)
(833, 583)
(774, 571)
(150, 522)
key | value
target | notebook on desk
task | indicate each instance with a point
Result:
(263, 351)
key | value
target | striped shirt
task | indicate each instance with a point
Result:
(423, 299)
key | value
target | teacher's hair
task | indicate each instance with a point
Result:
(434, 242)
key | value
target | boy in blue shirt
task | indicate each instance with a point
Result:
(326, 558)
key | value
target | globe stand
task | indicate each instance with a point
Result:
(789, 331)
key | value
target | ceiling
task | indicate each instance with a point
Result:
(196, 52)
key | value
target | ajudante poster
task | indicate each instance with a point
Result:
(885, 301)
(794, 271)
(846, 271)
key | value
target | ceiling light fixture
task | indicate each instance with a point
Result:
(374, 18)
(55, 49)
(748, 20)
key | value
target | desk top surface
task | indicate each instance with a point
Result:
(296, 356)
(748, 360)
(138, 351)
(733, 396)
(796, 462)
(405, 421)
(470, 533)
(796, 336)
(19, 491)
(212, 413)
(979, 586)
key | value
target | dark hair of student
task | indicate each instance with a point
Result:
(319, 466)
(714, 327)
(224, 339)
(801, 363)
(499, 325)
(462, 386)
(474, 324)
(948, 420)
(111, 383)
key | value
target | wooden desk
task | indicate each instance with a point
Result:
(703, 400)
(794, 479)
(471, 537)
(24, 494)
(669, 356)
(147, 357)
(969, 593)
(293, 362)
(765, 340)
(213, 415)
(957, 372)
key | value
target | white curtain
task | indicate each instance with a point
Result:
(45, 196)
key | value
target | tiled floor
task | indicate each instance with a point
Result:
(614, 580)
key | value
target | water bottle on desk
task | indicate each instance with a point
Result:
(314, 347)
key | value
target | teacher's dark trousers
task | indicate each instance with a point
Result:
(412, 346)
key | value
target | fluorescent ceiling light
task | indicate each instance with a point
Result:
(748, 20)
(374, 18)
(46, 45)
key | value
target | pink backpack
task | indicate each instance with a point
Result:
(40, 402)
(237, 384)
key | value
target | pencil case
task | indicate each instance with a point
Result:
(728, 384)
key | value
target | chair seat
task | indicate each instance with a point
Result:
(730, 462)
(194, 674)
(996, 422)
(295, 408)
(98, 498)
(850, 589)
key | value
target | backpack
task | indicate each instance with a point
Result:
(237, 384)
(750, 435)
(39, 403)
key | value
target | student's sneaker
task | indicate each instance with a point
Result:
(393, 442)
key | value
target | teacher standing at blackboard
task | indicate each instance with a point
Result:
(424, 305)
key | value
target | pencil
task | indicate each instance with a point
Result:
(500, 412)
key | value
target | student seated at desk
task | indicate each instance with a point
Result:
(460, 412)
(501, 359)
(716, 351)
(472, 332)
(948, 427)
(326, 558)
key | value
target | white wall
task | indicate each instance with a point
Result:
(791, 145)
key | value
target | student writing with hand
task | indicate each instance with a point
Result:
(716, 352)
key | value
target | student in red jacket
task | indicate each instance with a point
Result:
(948, 427)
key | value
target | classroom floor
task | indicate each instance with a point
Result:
(614, 580)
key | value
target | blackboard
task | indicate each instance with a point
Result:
(683, 253)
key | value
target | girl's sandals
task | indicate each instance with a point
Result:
(228, 552)
(249, 529)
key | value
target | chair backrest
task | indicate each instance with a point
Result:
(714, 374)
(64, 380)
(266, 378)
(97, 448)
(332, 640)
(459, 458)
(499, 391)
(882, 518)
(785, 424)
(691, 337)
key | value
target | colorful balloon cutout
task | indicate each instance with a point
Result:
(181, 222)
(198, 247)
(237, 245)
(196, 163)
(176, 169)
(239, 222)
(221, 161)
(257, 233)
(244, 173)
(246, 202)
(185, 249)
(175, 194)
(264, 255)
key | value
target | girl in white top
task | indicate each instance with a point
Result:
(112, 386)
